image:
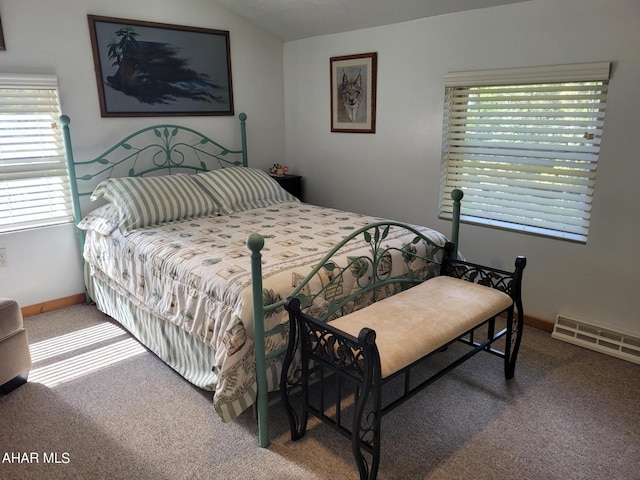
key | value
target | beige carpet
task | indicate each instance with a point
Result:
(570, 413)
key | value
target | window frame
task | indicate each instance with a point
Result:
(35, 189)
(502, 169)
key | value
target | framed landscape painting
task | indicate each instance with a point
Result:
(353, 93)
(156, 69)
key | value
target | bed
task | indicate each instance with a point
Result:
(193, 252)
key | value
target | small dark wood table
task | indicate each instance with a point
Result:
(292, 184)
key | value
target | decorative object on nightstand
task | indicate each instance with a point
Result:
(291, 183)
(278, 170)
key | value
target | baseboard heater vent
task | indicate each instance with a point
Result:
(594, 337)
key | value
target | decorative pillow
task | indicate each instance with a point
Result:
(146, 201)
(103, 220)
(236, 189)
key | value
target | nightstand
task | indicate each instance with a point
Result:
(292, 184)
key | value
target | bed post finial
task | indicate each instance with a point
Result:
(243, 135)
(456, 195)
(255, 242)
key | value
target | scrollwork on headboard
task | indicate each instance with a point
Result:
(153, 150)
(158, 149)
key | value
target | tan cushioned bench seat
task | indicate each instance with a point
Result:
(418, 321)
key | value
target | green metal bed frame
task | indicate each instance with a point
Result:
(174, 148)
(378, 281)
(163, 148)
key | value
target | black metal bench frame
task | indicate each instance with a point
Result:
(326, 352)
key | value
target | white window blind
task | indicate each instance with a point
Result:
(34, 182)
(523, 146)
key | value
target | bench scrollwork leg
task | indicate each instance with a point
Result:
(295, 383)
(515, 323)
(368, 414)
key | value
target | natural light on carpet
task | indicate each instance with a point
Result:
(85, 363)
(72, 341)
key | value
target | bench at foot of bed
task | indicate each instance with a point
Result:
(365, 350)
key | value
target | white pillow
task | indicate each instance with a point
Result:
(146, 201)
(103, 220)
(236, 189)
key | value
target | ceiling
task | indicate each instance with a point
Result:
(296, 19)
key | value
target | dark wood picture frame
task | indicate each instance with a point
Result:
(148, 69)
(353, 93)
(3, 47)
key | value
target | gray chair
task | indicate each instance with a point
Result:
(15, 358)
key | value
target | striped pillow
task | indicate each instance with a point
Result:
(146, 201)
(241, 188)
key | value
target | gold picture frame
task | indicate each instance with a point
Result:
(353, 93)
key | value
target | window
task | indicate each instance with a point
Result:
(523, 146)
(34, 182)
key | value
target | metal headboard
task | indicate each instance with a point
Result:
(150, 151)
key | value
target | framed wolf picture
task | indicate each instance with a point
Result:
(156, 69)
(353, 93)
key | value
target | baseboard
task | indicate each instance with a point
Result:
(545, 325)
(538, 323)
(53, 304)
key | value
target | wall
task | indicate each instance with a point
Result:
(395, 173)
(44, 36)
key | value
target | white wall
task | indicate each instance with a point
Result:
(44, 36)
(395, 172)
